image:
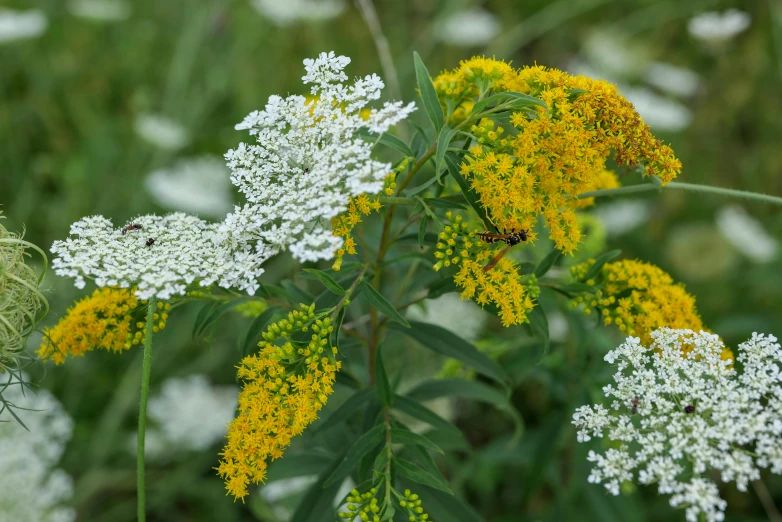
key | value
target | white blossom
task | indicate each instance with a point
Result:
(716, 27)
(307, 160)
(191, 413)
(21, 25)
(186, 250)
(746, 234)
(681, 412)
(672, 79)
(199, 185)
(161, 131)
(100, 10)
(620, 217)
(469, 28)
(462, 317)
(285, 12)
(31, 489)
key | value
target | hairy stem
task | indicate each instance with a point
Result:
(142, 414)
(691, 187)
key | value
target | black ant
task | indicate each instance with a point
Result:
(131, 226)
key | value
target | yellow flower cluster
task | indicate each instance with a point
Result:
(639, 298)
(412, 504)
(285, 385)
(102, 320)
(503, 286)
(343, 224)
(551, 156)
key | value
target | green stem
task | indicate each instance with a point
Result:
(142, 414)
(691, 187)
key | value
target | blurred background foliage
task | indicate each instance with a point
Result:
(71, 102)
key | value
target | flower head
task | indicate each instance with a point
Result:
(107, 319)
(284, 386)
(161, 257)
(200, 185)
(21, 25)
(713, 26)
(308, 162)
(680, 411)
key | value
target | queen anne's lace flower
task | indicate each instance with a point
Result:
(679, 410)
(185, 250)
(308, 161)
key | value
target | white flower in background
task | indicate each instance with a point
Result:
(658, 112)
(672, 79)
(20, 25)
(558, 326)
(161, 131)
(620, 217)
(716, 27)
(185, 250)
(284, 12)
(191, 413)
(698, 252)
(198, 185)
(470, 28)
(464, 318)
(746, 234)
(307, 160)
(31, 490)
(679, 415)
(100, 10)
(614, 56)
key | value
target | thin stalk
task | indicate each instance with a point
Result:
(690, 187)
(369, 14)
(767, 500)
(142, 414)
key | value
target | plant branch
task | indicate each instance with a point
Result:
(691, 187)
(142, 414)
(768, 502)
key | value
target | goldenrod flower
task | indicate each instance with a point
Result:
(343, 224)
(285, 385)
(638, 298)
(102, 320)
(502, 286)
(550, 157)
(411, 504)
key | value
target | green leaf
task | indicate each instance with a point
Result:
(257, 326)
(441, 286)
(214, 313)
(382, 386)
(545, 265)
(326, 279)
(443, 139)
(407, 437)
(430, 238)
(428, 94)
(382, 305)
(451, 161)
(389, 513)
(297, 294)
(318, 500)
(474, 390)
(363, 445)
(599, 262)
(424, 414)
(511, 100)
(447, 343)
(417, 474)
(444, 203)
(345, 410)
(420, 188)
(298, 465)
(389, 140)
(539, 323)
(442, 506)
(203, 313)
(422, 229)
(338, 327)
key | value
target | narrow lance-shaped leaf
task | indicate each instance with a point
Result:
(361, 447)
(422, 413)
(417, 474)
(444, 138)
(382, 386)
(389, 140)
(257, 326)
(451, 161)
(428, 94)
(539, 323)
(345, 410)
(547, 262)
(382, 304)
(599, 262)
(327, 280)
(408, 437)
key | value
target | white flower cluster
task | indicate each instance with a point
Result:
(161, 255)
(192, 413)
(199, 185)
(30, 489)
(290, 11)
(21, 25)
(680, 413)
(713, 26)
(307, 160)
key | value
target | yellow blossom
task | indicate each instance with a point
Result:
(284, 386)
(503, 286)
(539, 162)
(639, 297)
(102, 320)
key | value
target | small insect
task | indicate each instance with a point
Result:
(689, 408)
(635, 405)
(131, 226)
(306, 170)
(150, 241)
(512, 239)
